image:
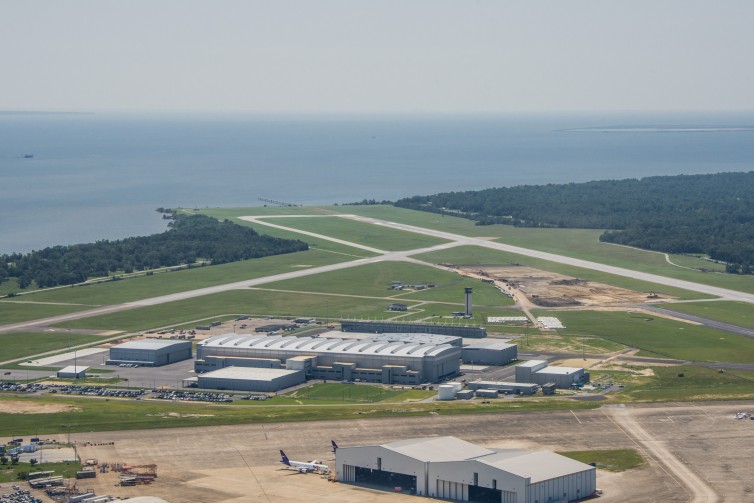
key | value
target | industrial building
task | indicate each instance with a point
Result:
(250, 379)
(72, 372)
(489, 352)
(384, 362)
(382, 327)
(417, 338)
(150, 352)
(451, 468)
(504, 387)
(537, 371)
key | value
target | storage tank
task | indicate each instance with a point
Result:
(457, 385)
(446, 392)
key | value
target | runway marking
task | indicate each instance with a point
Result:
(577, 417)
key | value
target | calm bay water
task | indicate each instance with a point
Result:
(101, 176)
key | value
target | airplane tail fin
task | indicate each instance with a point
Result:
(284, 459)
(334, 446)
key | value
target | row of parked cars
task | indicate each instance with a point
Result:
(19, 496)
(22, 388)
(195, 396)
(96, 391)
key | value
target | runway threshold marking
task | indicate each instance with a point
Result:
(577, 417)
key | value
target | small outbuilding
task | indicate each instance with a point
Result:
(150, 352)
(72, 372)
(397, 306)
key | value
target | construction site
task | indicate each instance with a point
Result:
(549, 289)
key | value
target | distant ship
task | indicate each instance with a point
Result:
(28, 156)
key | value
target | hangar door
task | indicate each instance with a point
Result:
(381, 478)
(452, 490)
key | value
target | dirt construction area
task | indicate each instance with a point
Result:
(693, 452)
(549, 289)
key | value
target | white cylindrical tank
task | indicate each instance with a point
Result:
(457, 385)
(446, 392)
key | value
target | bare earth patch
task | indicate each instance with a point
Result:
(22, 407)
(548, 289)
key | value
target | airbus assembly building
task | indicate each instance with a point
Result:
(379, 361)
(451, 468)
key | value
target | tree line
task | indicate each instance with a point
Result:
(709, 214)
(189, 238)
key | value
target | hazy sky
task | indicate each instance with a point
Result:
(377, 56)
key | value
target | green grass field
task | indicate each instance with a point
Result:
(346, 393)
(736, 313)
(228, 305)
(171, 282)
(14, 311)
(374, 280)
(85, 415)
(658, 336)
(690, 383)
(18, 345)
(374, 236)
(65, 469)
(617, 460)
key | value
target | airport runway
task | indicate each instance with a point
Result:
(454, 240)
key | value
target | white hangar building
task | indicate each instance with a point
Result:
(451, 468)
(388, 362)
(150, 352)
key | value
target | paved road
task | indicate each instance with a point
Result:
(719, 325)
(697, 488)
(453, 240)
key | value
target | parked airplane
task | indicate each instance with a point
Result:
(302, 466)
(334, 447)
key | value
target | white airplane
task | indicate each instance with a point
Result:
(302, 466)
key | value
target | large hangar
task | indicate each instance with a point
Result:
(150, 352)
(451, 468)
(387, 362)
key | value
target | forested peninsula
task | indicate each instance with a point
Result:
(700, 214)
(189, 238)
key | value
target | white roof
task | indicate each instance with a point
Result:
(150, 344)
(490, 345)
(323, 345)
(539, 465)
(559, 370)
(438, 449)
(250, 373)
(71, 369)
(531, 363)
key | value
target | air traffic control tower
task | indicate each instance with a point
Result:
(468, 302)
